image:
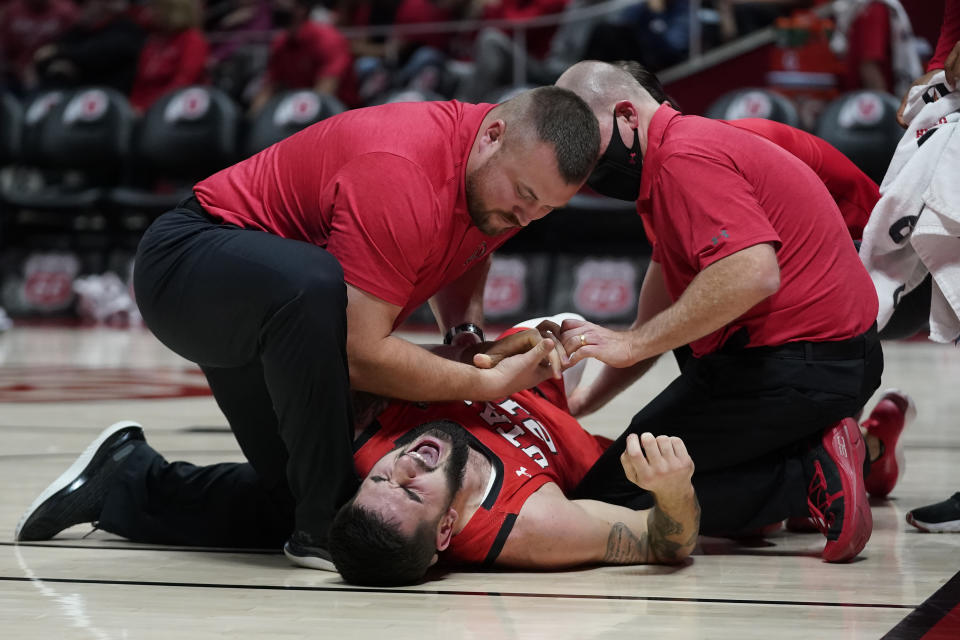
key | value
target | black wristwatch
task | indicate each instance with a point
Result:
(466, 327)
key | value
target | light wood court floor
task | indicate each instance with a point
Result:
(60, 387)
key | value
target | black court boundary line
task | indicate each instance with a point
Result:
(929, 613)
(129, 547)
(444, 592)
(167, 452)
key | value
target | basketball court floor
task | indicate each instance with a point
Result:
(60, 386)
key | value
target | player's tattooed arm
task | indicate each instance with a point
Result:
(665, 539)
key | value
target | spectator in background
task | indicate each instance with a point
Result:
(494, 48)
(237, 19)
(875, 40)
(102, 49)
(740, 17)
(25, 27)
(307, 55)
(656, 33)
(174, 55)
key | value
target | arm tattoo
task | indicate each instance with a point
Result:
(624, 547)
(661, 526)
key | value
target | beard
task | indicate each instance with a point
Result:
(481, 214)
(455, 467)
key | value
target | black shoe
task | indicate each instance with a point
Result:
(942, 517)
(305, 550)
(77, 495)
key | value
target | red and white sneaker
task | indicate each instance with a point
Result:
(837, 497)
(887, 420)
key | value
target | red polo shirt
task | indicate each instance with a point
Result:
(382, 189)
(314, 52)
(854, 192)
(712, 190)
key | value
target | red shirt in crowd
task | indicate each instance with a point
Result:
(169, 61)
(854, 192)
(949, 35)
(23, 30)
(869, 40)
(381, 188)
(529, 442)
(706, 202)
(425, 11)
(313, 52)
(538, 38)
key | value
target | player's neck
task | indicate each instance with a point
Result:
(476, 481)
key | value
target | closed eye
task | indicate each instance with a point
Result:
(410, 493)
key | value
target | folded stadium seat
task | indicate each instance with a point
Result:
(183, 137)
(73, 147)
(754, 103)
(285, 114)
(863, 126)
(11, 122)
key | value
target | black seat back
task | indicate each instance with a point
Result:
(11, 128)
(863, 126)
(188, 134)
(754, 103)
(287, 113)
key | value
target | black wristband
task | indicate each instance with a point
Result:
(466, 327)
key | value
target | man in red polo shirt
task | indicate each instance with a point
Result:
(308, 55)
(284, 278)
(751, 268)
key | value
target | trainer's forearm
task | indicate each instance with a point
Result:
(396, 368)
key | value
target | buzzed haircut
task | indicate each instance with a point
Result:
(646, 79)
(367, 549)
(562, 119)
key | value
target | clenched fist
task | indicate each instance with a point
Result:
(661, 466)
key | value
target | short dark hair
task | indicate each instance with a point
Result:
(646, 79)
(369, 550)
(561, 118)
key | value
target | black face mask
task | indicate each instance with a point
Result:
(617, 174)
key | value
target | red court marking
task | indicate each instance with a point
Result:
(72, 384)
(947, 629)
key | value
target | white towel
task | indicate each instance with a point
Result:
(915, 227)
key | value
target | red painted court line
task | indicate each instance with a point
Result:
(937, 618)
(946, 629)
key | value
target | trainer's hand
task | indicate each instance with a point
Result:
(661, 465)
(517, 372)
(583, 339)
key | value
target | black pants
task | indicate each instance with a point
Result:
(746, 417)
(265, 318)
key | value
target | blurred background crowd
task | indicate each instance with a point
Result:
(111, 109)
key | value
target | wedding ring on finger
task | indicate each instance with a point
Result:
(583, 339)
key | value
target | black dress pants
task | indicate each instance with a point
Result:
(265, 318)
(747, 416)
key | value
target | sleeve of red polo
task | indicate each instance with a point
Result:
(384, 225)
(711, 208)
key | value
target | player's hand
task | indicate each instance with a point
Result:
(660, 464)
(488, 354)
(583, 339)
(924, 79)
(517, 372)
